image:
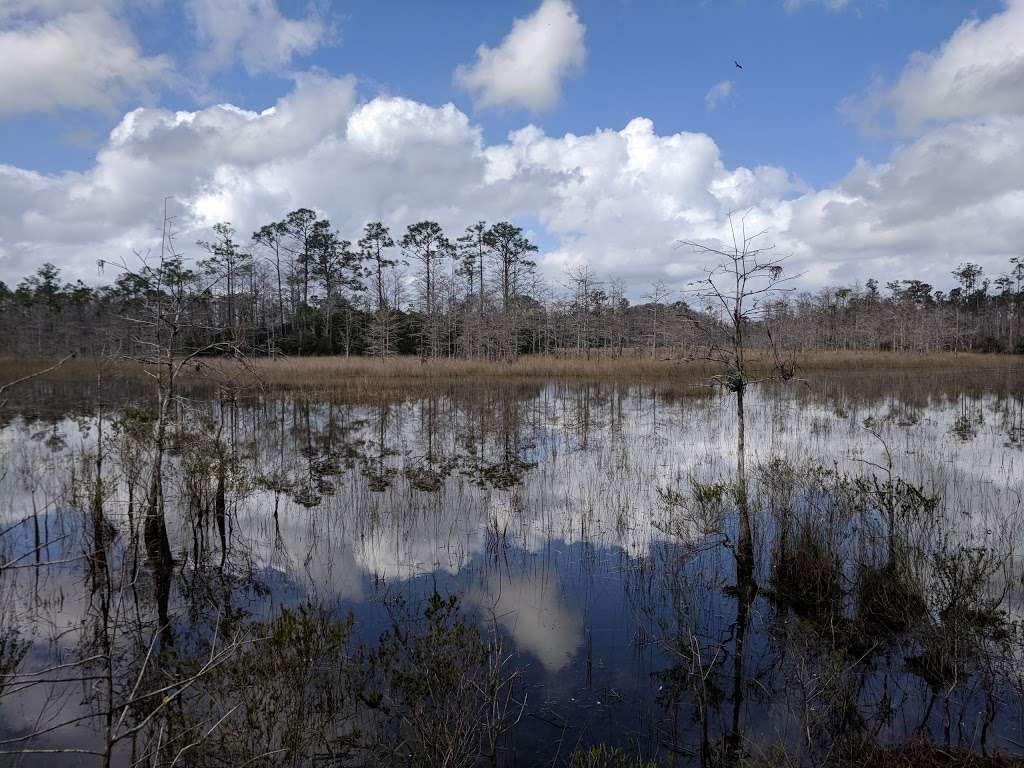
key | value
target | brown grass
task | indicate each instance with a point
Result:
(313, 373)
(367, 379)
(76, 369)
(918, 754)
(359, 378)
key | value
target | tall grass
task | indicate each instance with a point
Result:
(363, 378)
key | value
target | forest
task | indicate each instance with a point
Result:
(298, 287)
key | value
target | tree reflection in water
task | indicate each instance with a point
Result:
(515, 575)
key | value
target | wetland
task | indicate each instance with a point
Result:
(517, 572)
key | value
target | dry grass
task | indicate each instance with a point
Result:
(77, 369)
(366, 379)
(919, 754)
(360, 378)
(365, 374)
(895, 361)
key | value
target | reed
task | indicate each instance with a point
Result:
(371, 379)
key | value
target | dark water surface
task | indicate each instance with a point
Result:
(581, 523)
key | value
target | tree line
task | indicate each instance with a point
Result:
(297, 286)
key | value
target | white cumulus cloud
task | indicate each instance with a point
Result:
(978, 71)
(619, 200)
(82, 59)
(955, 194)
(527, 69)
(255, 33)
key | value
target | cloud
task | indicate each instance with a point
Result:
(835, 6)
(84, 59)
(211, 160)
(955, 194)
(534, 613)
(527, 69)
(26, 10)
(977, 72)
(255, 33)
(618, 200)
(718, 93)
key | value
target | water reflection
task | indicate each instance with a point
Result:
(649, 597)
(533, 611)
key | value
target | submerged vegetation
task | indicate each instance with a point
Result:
(351, 584)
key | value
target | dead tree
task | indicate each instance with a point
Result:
(735, 293)
(171, 334)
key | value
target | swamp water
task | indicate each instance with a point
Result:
(530, 570)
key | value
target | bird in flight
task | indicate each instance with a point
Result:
(738, 65)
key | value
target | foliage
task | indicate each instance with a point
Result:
(298, 286)
(603, 756)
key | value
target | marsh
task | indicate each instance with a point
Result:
(517, 573)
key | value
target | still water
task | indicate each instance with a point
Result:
(589, 527)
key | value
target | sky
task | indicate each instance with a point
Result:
(865, 138)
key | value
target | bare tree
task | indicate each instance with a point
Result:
(735, 293)
(271, 238)
(170, 335)
(656, 296)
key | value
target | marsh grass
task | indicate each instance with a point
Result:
(915, 753)
(355, 374)
(920, 754)
(363, 379)
(77, 369)
(603, 756)
(912, 754)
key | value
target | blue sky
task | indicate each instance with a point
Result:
(657, 59)
(802, 62)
